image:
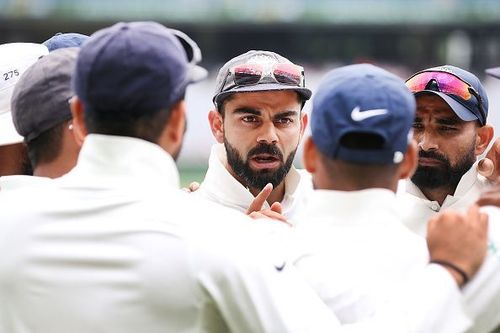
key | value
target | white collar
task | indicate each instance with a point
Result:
(220, 185)
(464, 185)
(112, 158)
(8, 183)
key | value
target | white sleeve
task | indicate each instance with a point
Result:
(259, 297)
(482, 293)
(429, 302)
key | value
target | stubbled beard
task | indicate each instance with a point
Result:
(258, 178)
(445, 175)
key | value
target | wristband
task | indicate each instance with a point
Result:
(448, 264)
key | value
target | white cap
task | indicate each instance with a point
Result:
(15, 58)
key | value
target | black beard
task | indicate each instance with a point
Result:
(445, 175)
(258, 179)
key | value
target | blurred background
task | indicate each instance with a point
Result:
(402, 36)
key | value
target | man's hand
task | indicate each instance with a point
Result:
(255, 210)
(489, 167)
(193, 187)
(460, 240)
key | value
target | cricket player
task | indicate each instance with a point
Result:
(451, 131)
(15, 58)
(258, 123)
(42, 115)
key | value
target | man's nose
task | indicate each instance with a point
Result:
(426, 141)
(268, 133)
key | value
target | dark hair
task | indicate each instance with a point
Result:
(362, 141)
(47, 146)
(360, 175)
(146, 125)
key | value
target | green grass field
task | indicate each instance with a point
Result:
(191, 174)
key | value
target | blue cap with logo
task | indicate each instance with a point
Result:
(64, 40)
(365, 101)
(137, 67)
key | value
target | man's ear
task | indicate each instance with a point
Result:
(310, 155)
(216, 125)
(483, 137)
(410, 161)
(78, 125)
(173, 134)
(304, 120)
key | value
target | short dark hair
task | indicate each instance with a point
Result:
(360, 175)
(147, 125)
(47, 146)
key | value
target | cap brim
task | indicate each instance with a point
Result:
(495, 72)
(197, 74)
(461, 111)
(304, 92)
(8, 133)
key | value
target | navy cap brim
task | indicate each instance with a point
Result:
(197, 74)
(461, 111)
(495, 72)
(303, 92)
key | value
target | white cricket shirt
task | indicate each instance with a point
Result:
(482, 294)
(221, 187)
(115, 246)
(354, 251)
(9, 183)
(417, 209)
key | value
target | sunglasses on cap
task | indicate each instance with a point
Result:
(447, 83)
(253, 73)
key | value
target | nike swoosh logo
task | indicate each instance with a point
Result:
(358, 115)
(280, 268)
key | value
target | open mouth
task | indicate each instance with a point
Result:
(427, 161)
(265, 161)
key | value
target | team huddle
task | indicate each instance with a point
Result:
(393, 225)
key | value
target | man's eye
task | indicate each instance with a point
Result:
(447, 129)
(284, 120)
(418, 126)
(249, 119)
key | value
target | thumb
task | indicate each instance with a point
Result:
(259, 200)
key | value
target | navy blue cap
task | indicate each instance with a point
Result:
(137, 67)
(363, 99)
(467, 110)
(64, 40)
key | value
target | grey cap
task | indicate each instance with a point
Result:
(225, 87)
(40, 100)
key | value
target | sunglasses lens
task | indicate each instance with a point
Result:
(289, 74)
(446, 82)
(247, 74)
